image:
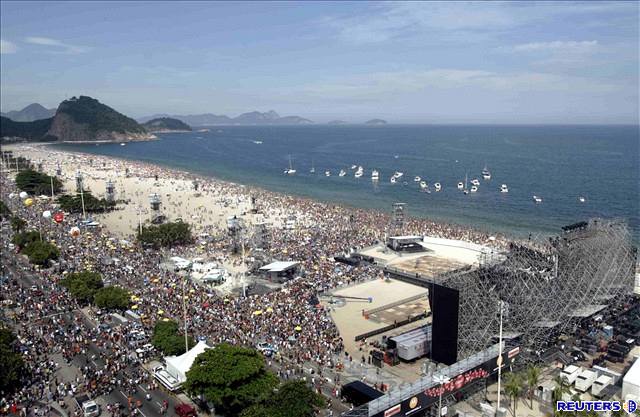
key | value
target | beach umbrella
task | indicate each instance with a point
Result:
(58, 217)
(12, 195)
(257, 312)
(28, 202)
(134, 307)
(165, 319)
(298, 329)
(23, 195)
(269, 310)
(46, 214)
(74, 231)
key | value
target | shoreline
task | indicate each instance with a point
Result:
(245, 190)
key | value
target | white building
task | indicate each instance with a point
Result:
(631, 383)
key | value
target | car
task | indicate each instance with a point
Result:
(34, 288)
(266, 349)
(144, 349)
(577, 356)
(104, 327)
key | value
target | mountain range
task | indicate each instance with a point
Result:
(251, 118)
(30, 113)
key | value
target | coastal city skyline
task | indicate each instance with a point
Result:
(511, 63)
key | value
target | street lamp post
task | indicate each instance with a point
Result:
(441, 379)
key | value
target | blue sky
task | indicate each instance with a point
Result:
(430, 62)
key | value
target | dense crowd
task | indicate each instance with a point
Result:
(322, 231)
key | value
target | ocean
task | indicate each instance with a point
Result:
(557, 163)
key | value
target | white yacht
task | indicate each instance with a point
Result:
(504, 188)
(437, 186)
(393, 180)
(123, 144)
(398, 174)
(475, 182)
(290, 171)
(257, 142)
(460, 185)
(342, 173)
(474, 188)
(417, 178)
(582, 199)
(327, 173)
(359, 172)
(353, 167)
(424, 185)
(537, 199)
(375, 176)
(313, 168)
(486, 174)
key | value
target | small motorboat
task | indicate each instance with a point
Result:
(359, 172)
(393, 180)
(475, 182)
(537, 199)
(327, 173)
(424, 185)
(460, 185)
(417, 178)
(504, 188)
(375, 176)
(582, 199)
(474, 189)
(486, 174)
(437, 186)
(353, 167)
(290, 170)
(342, 173)
(123, 144)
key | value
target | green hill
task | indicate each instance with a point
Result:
(85, 119)
(166, 124)
(31, 131)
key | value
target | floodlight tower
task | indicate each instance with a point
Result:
(79, 181)
(398, 213)
(111, 191)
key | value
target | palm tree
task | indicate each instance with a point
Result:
(533, 379)
(513, 387)
(561, 388)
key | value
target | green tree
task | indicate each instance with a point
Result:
(112, 298)
(23, 239)
(5, 212)
(167, 234)
(562, 388)
(533, 379)
(73, 204)
(41, 252)
(292, 399)
(513, 387)
(168, 339)
(231, 377)
(82, 285)
(17, 224)
(37, 183)
(12, 366)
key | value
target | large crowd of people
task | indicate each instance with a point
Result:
(289, 319)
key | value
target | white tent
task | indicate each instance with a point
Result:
(177, 366)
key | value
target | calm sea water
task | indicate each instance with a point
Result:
(557, 163)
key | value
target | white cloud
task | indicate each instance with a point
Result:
(59, 47)
(7, 47)
(556, 46)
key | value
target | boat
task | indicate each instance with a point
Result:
(353, 167)
(398, 174)
(424, 185)
(474, 188)
(417, 178)
(504, 188)
(437, 186)
(475, 182)
(257, 142)
(290, 171)
(460, 185)
(465, 185)
(359, 172)
(342, 173)
(327, 173)
(582, 199)
(393, 180)
(313, 168)
(396, 156)
(375, 176)
(485, 173)
(122, 144)
(537, 199)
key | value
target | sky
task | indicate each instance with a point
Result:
(416, 62)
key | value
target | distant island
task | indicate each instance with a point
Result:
(30, 113)
(79, 119)
(337, 122)
(245, 119)
(166, 125)
(376, 122)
